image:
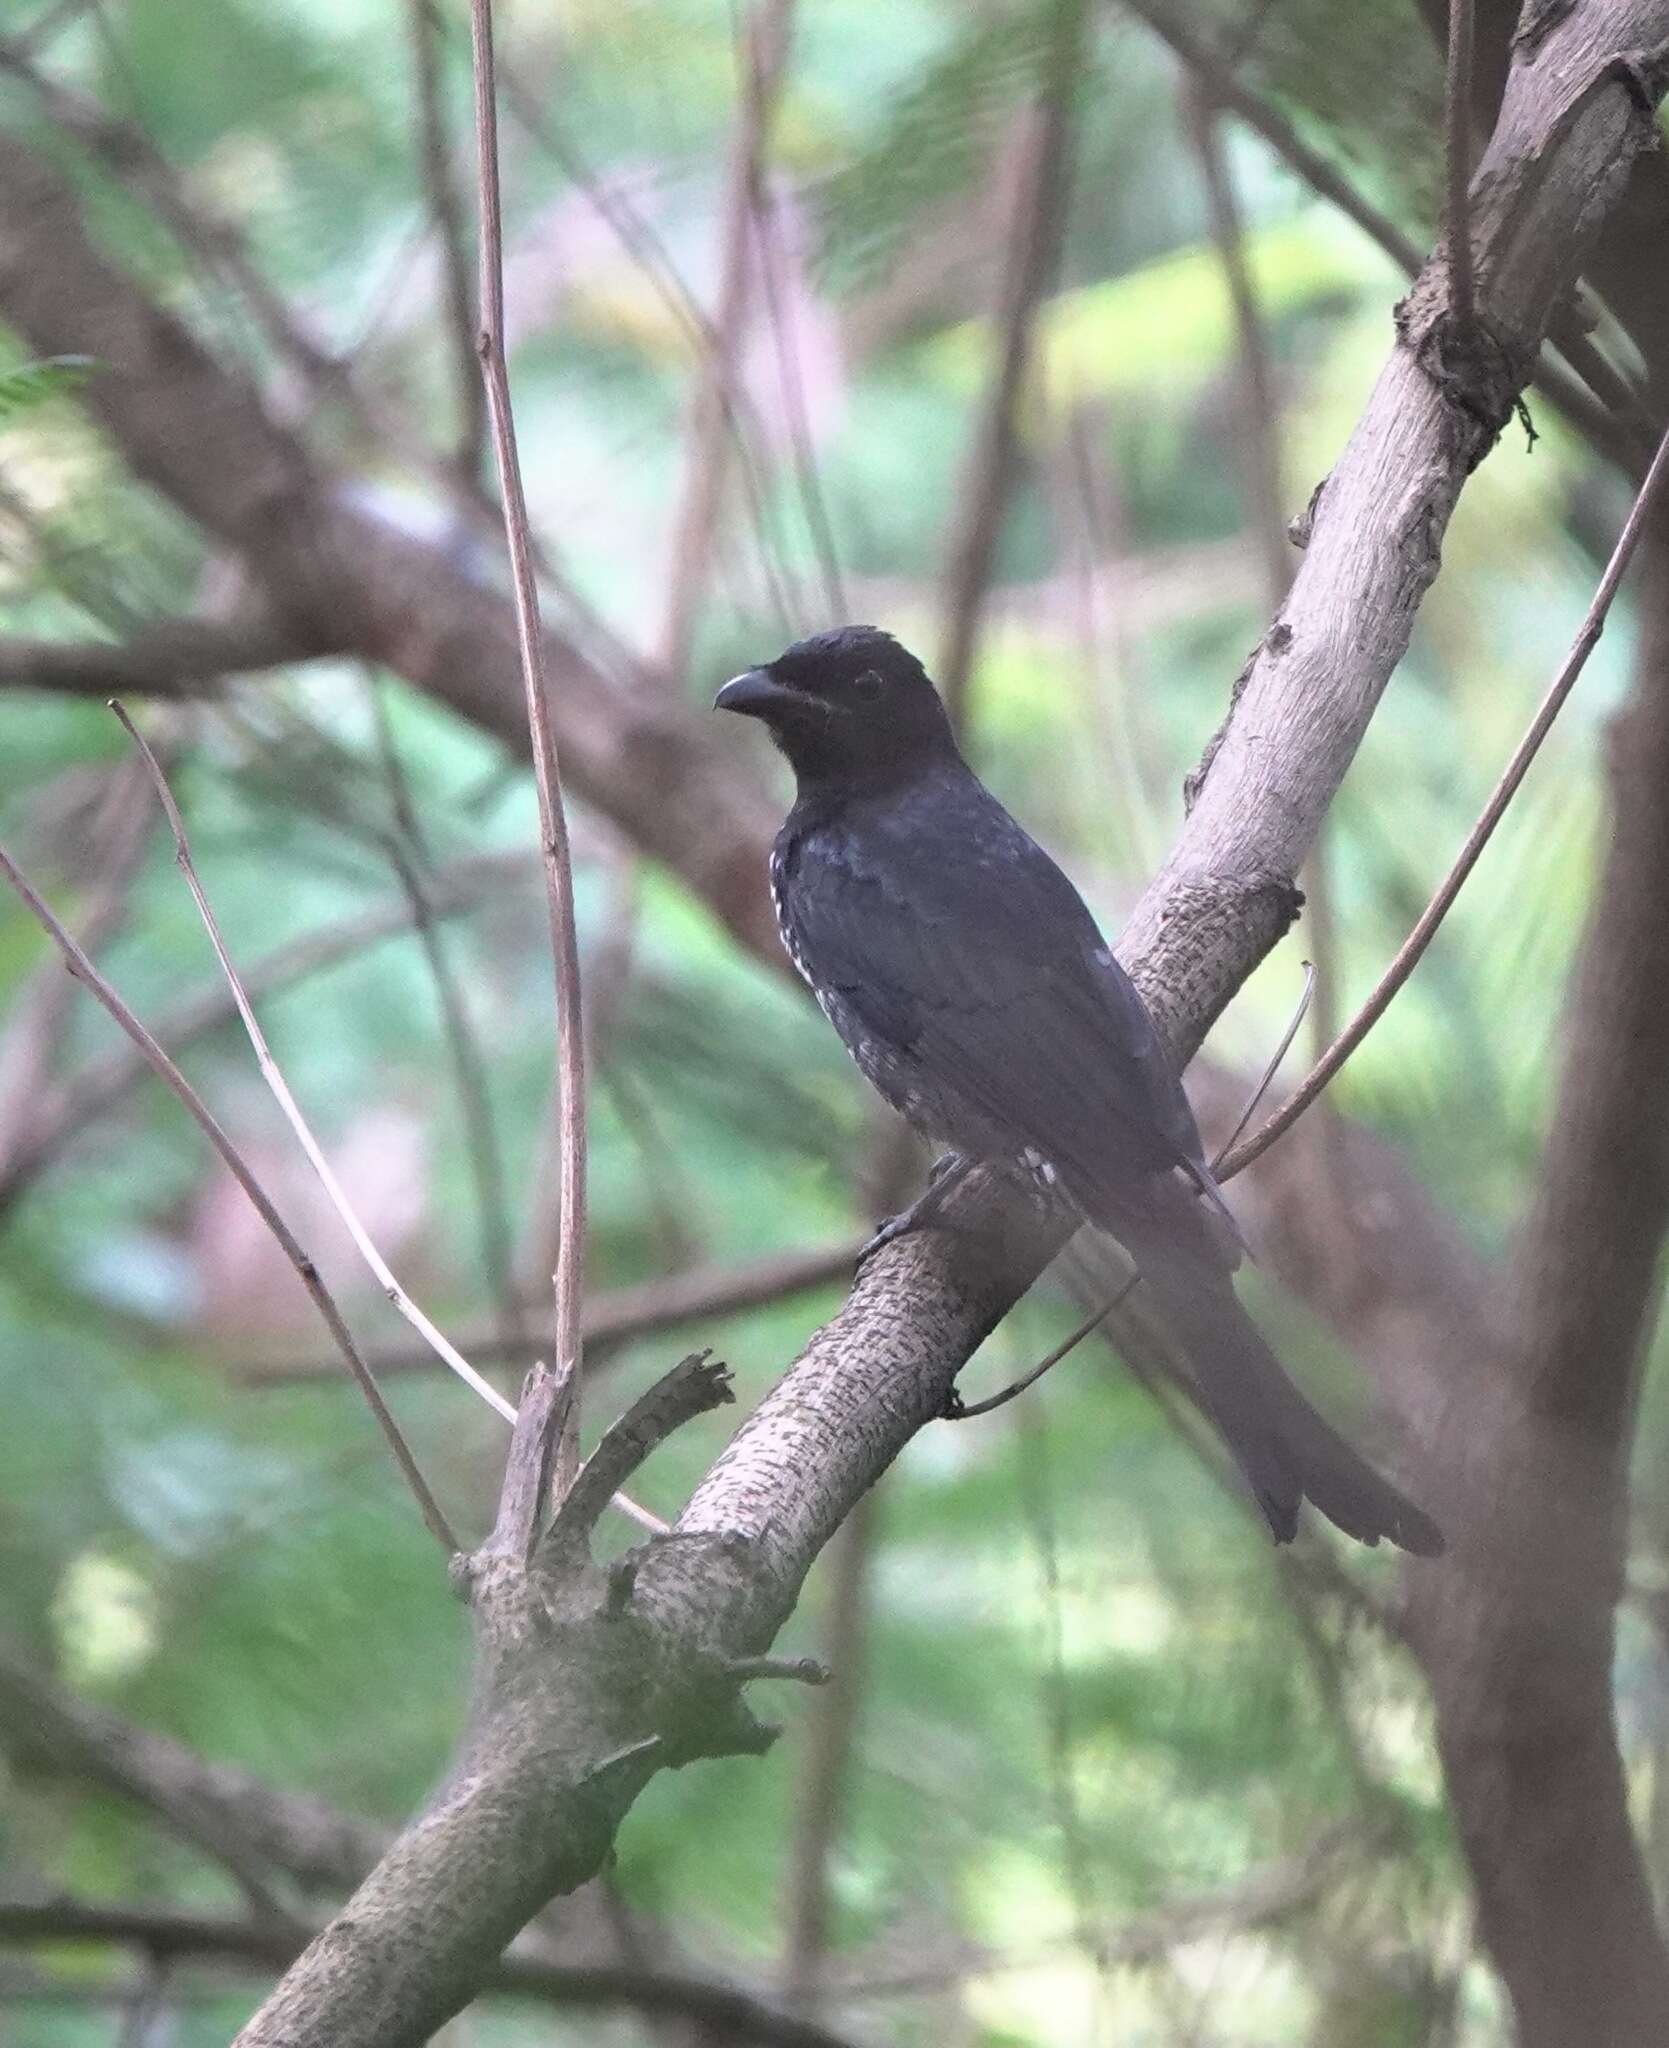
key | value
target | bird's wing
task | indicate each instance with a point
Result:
(988, 971)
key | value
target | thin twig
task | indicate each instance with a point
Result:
(83, 968)
(446, 209)
(103, 1081)
(527, 1466)
(469, 1065)
(1408, 954)
(34, 1034)
(1457, 143)
(623, 1314)
(697, 521)
(813, 501)
(694, 1385)
(1015, 1388)
(553, 824)
(1271, 1070)
(1259, 409)
(1031, 243)
(286, 1101)
(1056, 1698)
(831, 1727)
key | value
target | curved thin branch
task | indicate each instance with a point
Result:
(210, 1126)
(1408, 954)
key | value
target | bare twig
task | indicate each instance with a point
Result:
(1457, 146)
(789, 1670)
(527, 1466)
(446, 208)
(274, 1078)
(1032, 237)
(84, 969)
(694, 1385)
(184, 657)
(696, 525)
(965, 1411)
(406, 849)
(772, 265)
(103, 1081)
(553, 824)
(1271, 1069)
(830, 1728)
(1408, 954)
(623, 1314)
(34, 1034)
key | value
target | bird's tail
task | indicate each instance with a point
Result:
(1288, 1452)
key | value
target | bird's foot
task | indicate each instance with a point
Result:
(948, 1173)
(954, 1406)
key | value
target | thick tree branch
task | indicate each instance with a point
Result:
(582, 1696)
(215, 1806)
(585, 1987)
(172, 658)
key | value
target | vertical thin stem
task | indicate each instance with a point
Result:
(831, 1726)
(1457, 138)
(1032, 241)
(1408, 954)
(707, 443)
(553, 826)
(439, 176)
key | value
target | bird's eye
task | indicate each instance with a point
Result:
(869, 685)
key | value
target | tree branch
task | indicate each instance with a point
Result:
(619, 1316)
(209, 1804)
(172, 658)
(307, 1272)
(105, 1080)
(586, 1987)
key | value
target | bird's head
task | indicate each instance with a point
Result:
(851, 706)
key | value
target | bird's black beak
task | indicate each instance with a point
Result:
(756, 693)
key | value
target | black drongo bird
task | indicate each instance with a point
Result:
(972, 987)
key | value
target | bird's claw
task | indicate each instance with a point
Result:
(947, 1171)
(894, 1227)
(954, 1407)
